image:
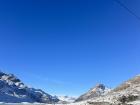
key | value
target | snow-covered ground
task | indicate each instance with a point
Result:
(67, 98)
(25, 103)
(13, 90)
(135, 103)
(40, 104)
(78, 103)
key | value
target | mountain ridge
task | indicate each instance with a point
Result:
(96, 91)
(125, 93)
(15, 91)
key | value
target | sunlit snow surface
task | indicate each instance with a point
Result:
(36, 104)
(79, 103)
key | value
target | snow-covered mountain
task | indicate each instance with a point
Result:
(126, 93)
(67, 99)
(12, 90)
(98, 90)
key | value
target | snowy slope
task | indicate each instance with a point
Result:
(97, 91)
(127, 92)
(67, 99)
(14, 91)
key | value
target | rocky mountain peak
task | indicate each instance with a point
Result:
(96, 91)
(100, 86)
(14, 90)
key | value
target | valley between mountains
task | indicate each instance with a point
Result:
(14, 92)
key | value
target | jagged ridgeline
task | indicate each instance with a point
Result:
(13, 90)
(97, 91)
(127, 93)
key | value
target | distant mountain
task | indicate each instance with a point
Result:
(66, 99)
(128, 92)
(98, 90)
(12, 90)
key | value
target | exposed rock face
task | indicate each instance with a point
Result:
(128, 84)
(127, 92)
(12, 90)
(97, 91)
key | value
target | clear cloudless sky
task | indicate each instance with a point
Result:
(66, 47)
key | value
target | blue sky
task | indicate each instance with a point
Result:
(67, 46)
